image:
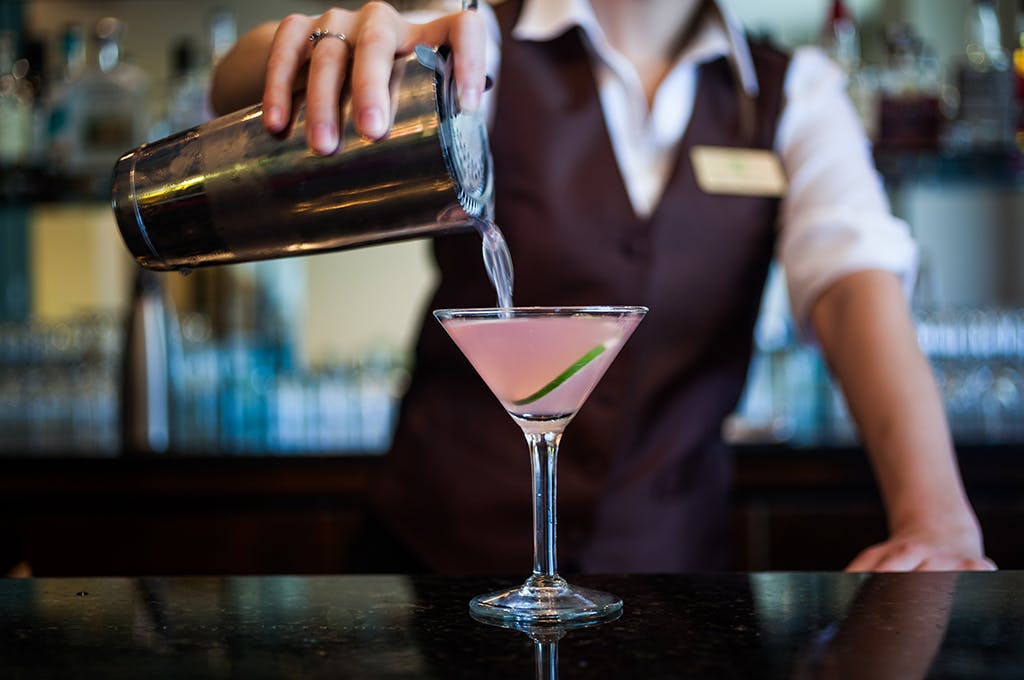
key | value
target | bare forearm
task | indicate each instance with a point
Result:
(868, 337)
(238, 79)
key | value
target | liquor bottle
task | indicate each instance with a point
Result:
(107, 109)
(1018, 69)
(188, 102)
(909, 113)
(58, 132)
(151, 354)
(840, 38)
(222, 33)
(986, 118)
(16, 104)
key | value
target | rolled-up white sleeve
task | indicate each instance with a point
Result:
(835, 218)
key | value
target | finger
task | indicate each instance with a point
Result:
(957, 563)
(945, 563)
(903, 557)
(466, 32)
(326, 77)
(379, 35)
(469, 49)
(866, 560)
(288, 52)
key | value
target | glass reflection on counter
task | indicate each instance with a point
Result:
(892, 630)
(797, 626)
(545, 638)
(243, 627)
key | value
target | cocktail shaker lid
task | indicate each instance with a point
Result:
(463, 138)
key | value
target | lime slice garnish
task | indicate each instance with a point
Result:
(561, 377)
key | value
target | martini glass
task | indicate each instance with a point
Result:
(542, 363)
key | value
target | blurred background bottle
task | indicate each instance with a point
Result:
(151, 356)
(58, 111)
(102, 111)
(840, 37)
(910, 83)
(16, 103)
(1018, 69)
(986, 120)
(188, 102)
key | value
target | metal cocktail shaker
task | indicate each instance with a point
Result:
(228, 191)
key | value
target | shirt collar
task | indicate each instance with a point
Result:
(719, 34)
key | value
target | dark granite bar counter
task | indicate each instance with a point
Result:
(760, 625)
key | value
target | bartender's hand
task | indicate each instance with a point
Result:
(947, 548)
(280, 58)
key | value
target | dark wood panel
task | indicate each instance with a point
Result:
(201, 515)
(794, 509)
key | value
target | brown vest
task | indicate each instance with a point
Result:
(643, 477)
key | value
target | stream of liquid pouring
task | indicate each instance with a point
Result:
(497, 260)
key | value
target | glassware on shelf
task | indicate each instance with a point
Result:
(978, 358)
(59, 387)
(236, 395)
(542, 363)
(976, 354)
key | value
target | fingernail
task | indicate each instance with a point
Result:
(469, 98)
(325, 138)
(272, 117)
(371, 122)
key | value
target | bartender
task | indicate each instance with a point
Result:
(645, 152)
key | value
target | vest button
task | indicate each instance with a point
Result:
(634, 249)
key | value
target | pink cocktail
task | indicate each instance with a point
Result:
(542, 363)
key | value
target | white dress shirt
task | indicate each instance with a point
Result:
(834, 218)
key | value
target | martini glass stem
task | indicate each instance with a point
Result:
(543, 463)
(546, 660)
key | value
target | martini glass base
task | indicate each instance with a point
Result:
(546, 600)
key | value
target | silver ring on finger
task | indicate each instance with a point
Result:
(319, 34)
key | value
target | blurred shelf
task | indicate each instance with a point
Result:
(31, 184)
(976, 168)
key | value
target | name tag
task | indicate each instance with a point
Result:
(740, 172)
